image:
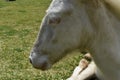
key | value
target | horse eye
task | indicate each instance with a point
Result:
(54, 20)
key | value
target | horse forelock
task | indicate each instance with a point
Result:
(60, 6)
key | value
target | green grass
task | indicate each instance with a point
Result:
(19, 25)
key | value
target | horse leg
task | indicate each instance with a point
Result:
(88, 73)
(85, 70)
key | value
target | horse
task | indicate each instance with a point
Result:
(91, 25)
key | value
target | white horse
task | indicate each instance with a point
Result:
(81, 24)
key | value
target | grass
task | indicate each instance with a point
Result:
(19, 25)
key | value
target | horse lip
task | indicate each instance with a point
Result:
(43, 67)
(40, 63)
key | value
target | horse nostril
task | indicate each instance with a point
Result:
(30, 60)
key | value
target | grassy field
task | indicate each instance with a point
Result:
(19, 25)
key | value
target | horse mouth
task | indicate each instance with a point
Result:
(43, 67)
